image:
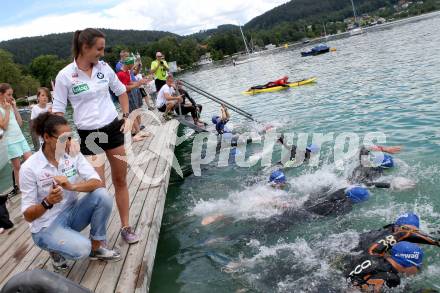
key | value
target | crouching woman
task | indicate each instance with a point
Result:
(50, 181)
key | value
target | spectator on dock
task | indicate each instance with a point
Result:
(122, 55)
(44, 105)
(10, 123)
(51, 180)
(159, 68)
(126, 76)
(189, 105)
(167, 99)
(94, 114)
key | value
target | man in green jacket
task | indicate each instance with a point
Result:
(159, 68)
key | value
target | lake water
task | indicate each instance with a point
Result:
(386, 81)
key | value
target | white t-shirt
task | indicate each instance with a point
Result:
(37, 110)
(36, 179)
(161, 100)
(92, 104)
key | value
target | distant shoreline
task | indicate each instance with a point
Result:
(378, 27)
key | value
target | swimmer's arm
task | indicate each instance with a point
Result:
(421, 238)
(212, 219)
(389, 150)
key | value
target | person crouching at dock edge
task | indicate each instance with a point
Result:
(50, 181)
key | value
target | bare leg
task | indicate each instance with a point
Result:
(119, 177)
(98, 162)
(16, 168)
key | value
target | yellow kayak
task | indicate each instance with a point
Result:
(279, 88)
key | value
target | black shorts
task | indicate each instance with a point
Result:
(163, 108)
(90, 139)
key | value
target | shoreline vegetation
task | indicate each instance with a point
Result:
(222, 44)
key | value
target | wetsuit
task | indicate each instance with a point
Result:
(371, 272)
(305, 156)
(279, 82)
(330, 204)
(366, 175)
(194, 109)
(378, 242)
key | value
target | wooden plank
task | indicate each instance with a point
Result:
(21, 234)
(108, 282)
(78, 270)
(112, 234)
(146, 203)
(146, 268)
(133, 264)
(90, 278)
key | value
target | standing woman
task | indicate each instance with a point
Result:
(85, 83)
(10, 123)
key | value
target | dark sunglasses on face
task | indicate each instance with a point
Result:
(63, 138)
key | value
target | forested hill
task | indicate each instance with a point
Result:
(307, 10)
(26, 49)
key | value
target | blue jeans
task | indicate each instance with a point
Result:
(63, 235)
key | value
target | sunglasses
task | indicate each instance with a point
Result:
(63, 138)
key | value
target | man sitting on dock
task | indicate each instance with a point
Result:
(283, 81)
(189, 107)
(167, 99)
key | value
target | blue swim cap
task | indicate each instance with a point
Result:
(313, 148)
(277, 177)
(384, 161)
(407, 254)
(408, 219)
(357, 194)
(214, 119)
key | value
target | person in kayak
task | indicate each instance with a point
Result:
(188, 107)
(405, 228)
(283, 81)
(372, 273)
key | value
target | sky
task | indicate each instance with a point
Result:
(25, 18)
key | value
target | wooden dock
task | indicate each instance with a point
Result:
(152, 158)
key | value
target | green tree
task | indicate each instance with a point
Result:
(46, 67)
(10, 72)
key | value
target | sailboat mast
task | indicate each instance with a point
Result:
(354, 12)
(244, 40)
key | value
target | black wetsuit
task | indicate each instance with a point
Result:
(370, 272)
(330, 204)
(377, 242)
(194, 109)
(367, 175)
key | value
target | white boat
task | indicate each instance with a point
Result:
(204, 61)
(247, 60)
(356, 30)
(249, 57)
